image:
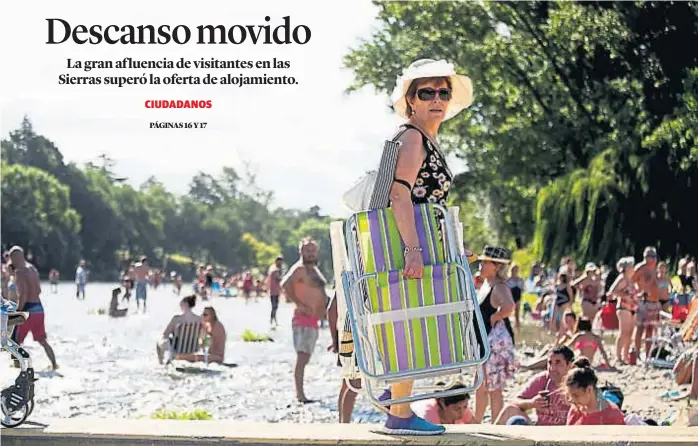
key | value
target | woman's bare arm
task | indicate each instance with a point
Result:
(410, 158)
(503, 301)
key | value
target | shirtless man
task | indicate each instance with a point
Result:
(647, 288)
(304, 285)
(29, 290)
(142, 272)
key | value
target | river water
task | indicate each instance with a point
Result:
(108, 367)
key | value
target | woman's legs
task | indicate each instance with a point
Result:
(400, 390)
(482, 399)
(496, 402)
(625, 332)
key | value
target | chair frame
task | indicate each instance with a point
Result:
(174, 348)
(359, 313)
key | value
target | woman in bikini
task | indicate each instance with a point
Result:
(664, 285)
(623, 291)
(586, 343)
(588, 286)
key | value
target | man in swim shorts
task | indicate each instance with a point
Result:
(304, 285)
(142, 272)
(647, 285)
(29, 300)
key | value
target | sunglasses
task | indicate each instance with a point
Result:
(428, 94)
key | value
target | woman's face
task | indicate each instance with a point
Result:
(662, 270)
(515, 271)
(431, 100)
(487, 269)
(580, 397)
(207, 316)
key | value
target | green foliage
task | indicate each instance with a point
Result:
(582, 135)
(525, 258)
(250, 336)
(62, 213)
(162, 414)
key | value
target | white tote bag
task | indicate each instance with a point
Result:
(372, 191)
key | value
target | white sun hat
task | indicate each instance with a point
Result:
(462, 95)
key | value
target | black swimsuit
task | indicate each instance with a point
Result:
(487, 310)
(434, 177)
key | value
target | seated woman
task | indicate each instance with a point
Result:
(114, 310)
(586, 343)
(187, 316)
(686, 372)
(588, 406)
(449, 410)
(213, 329)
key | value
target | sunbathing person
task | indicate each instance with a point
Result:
(216, 334)
(544, 393)
(686, 371)
(586, 343)
(114, 310)
(187, 316)
(449, 410)
(588, 406)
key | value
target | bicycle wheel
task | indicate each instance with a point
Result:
(16, 418)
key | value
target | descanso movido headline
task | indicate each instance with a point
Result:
(60, 31)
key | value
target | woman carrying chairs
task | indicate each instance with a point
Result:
(406, 282)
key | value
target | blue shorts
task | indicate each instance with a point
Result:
(141, 289)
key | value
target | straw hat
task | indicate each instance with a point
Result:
(495, 254)
(462, 95)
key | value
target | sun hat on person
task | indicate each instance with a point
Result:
(495, 254)
(591, 266)
(462, 87)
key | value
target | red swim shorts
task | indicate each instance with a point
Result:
(35, 325)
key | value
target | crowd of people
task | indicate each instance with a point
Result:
(569, 303)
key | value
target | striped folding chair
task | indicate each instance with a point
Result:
(186, 340)
(410, 329)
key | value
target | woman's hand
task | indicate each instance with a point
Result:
(414, 265)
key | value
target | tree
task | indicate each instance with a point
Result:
(581, 114)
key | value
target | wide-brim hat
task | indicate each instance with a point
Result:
(462, 86)
(495, 254)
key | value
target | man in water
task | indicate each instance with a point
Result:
(80, 280)
(304, 285)
(29, 290)
(647, 285)
(274, 283)
(142, 272)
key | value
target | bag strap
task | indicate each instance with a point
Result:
(380, 198)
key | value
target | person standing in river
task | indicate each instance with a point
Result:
(274, 285)
(142, 272)
(305, 285)
(80, 280)
(29, 300)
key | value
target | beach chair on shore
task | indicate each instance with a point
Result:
(672, 338)
(410, 329)
(186, 340)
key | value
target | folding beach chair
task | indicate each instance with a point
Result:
(186, 340)
(410, 329)
(673, 338)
